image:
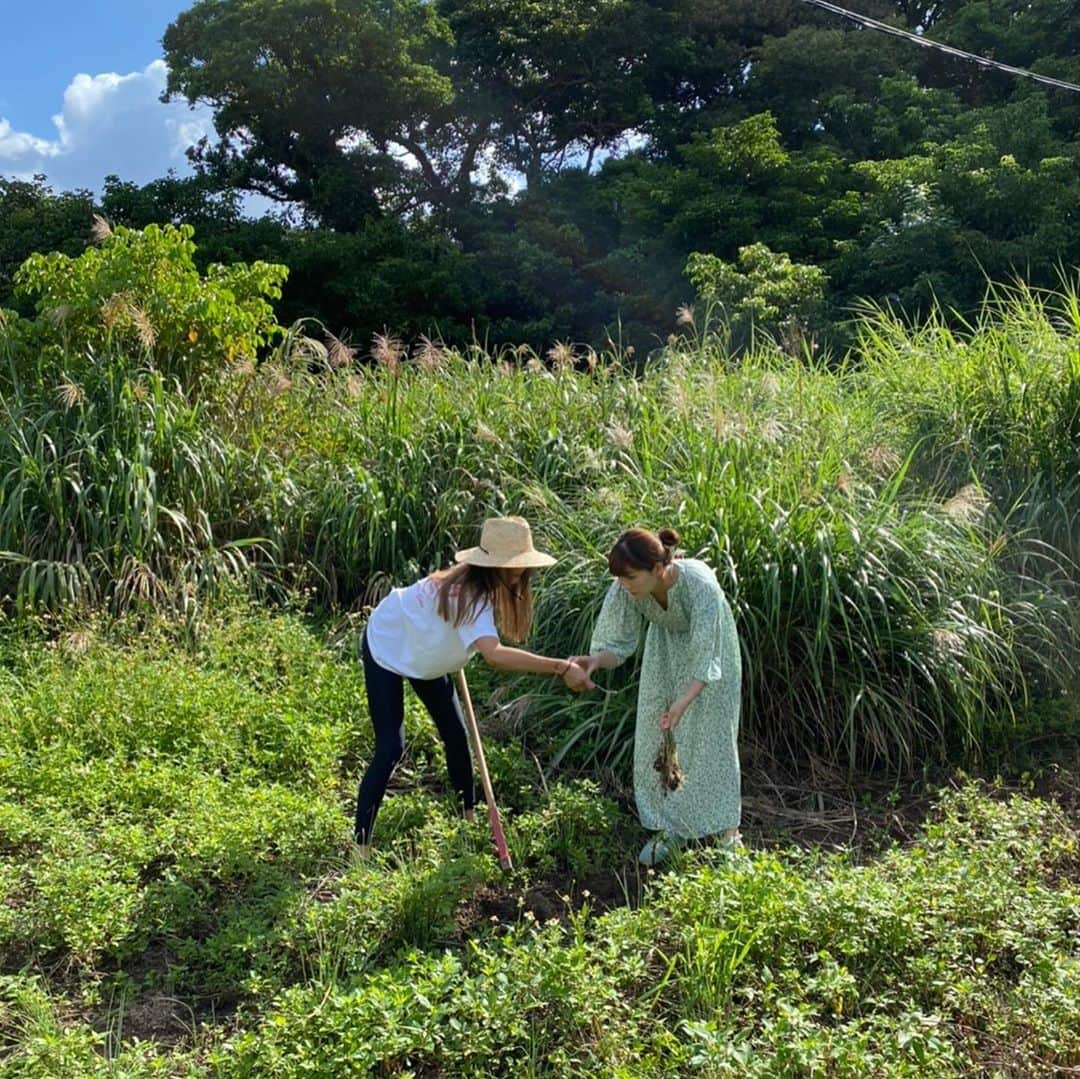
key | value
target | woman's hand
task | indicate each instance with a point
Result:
(669, 719)
(588, 663)
(577, 676)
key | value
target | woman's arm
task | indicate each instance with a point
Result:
(669, 720)
(597, 661)
(616, 633)
(504, 658)
(703, 647)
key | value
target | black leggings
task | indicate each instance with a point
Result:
(386, 703)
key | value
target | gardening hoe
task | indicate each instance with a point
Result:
(485, 779)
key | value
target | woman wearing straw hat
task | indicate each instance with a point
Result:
(691, 685)
(427, 631)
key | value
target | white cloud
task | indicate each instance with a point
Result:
(15, 144)
(109, 123)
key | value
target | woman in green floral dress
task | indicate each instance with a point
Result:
(691, 684)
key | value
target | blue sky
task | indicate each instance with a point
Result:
(79, 83)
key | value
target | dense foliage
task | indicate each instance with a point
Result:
(516, 171)
(178, 896)
(897, 534)
(770, 236)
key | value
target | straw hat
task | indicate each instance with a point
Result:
(505, 542)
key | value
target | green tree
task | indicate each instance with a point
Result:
(35, 218)
(355, 109)
(399, 130)
(317, 101)
(764, 291)
(997, 201)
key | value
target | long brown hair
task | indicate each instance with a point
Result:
(463, 589)
(640, 549)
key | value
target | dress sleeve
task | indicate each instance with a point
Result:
(618, 628)
(705, 649)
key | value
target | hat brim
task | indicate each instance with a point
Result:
(477, 556)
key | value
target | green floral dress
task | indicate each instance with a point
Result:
(694, 638)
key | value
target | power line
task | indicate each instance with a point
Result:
(926, 43)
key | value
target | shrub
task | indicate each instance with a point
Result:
(138, 293)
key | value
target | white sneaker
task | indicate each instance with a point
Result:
(732, 844)
(659, 847)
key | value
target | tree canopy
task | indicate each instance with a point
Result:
(541, 169)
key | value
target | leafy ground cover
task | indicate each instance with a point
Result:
(178, 897)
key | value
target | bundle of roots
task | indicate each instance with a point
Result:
(667, 763)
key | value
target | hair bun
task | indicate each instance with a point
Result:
(668, 537)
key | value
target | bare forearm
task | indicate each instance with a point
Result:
(688, 695)
(504, 658)
(605, 660)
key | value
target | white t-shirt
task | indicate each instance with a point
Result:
(406, 634)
